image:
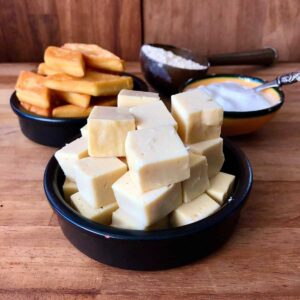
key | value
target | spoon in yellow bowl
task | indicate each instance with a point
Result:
(279, 81)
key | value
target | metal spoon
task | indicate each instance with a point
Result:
(279, 81)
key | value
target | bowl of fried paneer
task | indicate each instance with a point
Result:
(53, 103)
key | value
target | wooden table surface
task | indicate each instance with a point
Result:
(260, 261)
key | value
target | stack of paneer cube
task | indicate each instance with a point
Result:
(138, 166)
(73, 79)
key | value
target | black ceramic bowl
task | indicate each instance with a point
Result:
(55, 132)
(165, 78)
(161, 249)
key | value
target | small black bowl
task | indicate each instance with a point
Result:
(55, 132)
(165, 78)
(154, 250)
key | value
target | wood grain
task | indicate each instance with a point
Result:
(260, 261)
(27, 27)
(213, 26)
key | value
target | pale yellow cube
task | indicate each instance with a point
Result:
(94, 178)
(84, 131)
(156, 157)
(221, 187)
(130, 98)
(69, 188)
(147, 208)
(198, 181)
(152, 115)
(101, 215)
(121, 220)
(213, 151)
(69, 154)
(107, 131)
(196, 210)
(196, 115)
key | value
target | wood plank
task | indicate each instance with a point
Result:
(115, 25)
(211, 26)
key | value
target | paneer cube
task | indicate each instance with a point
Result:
(196, 210)
(94, 178)
(156, 157)
(107, 131)
(198, 117)
(102, 215)
(221, 187)
(198, 181)
(43, 69)
(152, 115)
(31, 89)
(69, 154)
(213, 151)
(69, 188)
(64, 60)
(147, 208)
(130, 98)
(121, 220)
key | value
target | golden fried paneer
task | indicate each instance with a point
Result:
(65, 60)
(70, 111)
(31, 89)
(97, 57)
(93, 83)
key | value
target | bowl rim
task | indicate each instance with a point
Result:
(202, 60)
(239, 198)
(241, 114)
(21, 112)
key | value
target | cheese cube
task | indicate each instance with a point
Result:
(94, 178)
(129, 98)
(147, 208)
(221, 186)
(213, 151)
(122, 220)
(152, 115)
(69, 154)
(31, 89)
(198, 181)
(196, 114)
(156, 157)
(107, 131)
(69, 188)
(196, 210)
(84, 131)
(66, 61)
(101, 215)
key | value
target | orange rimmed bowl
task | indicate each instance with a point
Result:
(239, 123)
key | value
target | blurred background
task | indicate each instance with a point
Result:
(27, 27)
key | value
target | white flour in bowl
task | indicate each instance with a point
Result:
(169, 58)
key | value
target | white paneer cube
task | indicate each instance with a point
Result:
(130, 98)
(213, 151)
(69, 188)
(101, 215)
(107, 130)
(198, 117)
(152, 115)
(221, 187)
(84, 131)
(69, 154)
(121, 220)
(147, 208)
(156, 157)
(94, 178)
(198, 182)
(196, 210)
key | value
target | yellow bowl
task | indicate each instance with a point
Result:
(238, 123)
